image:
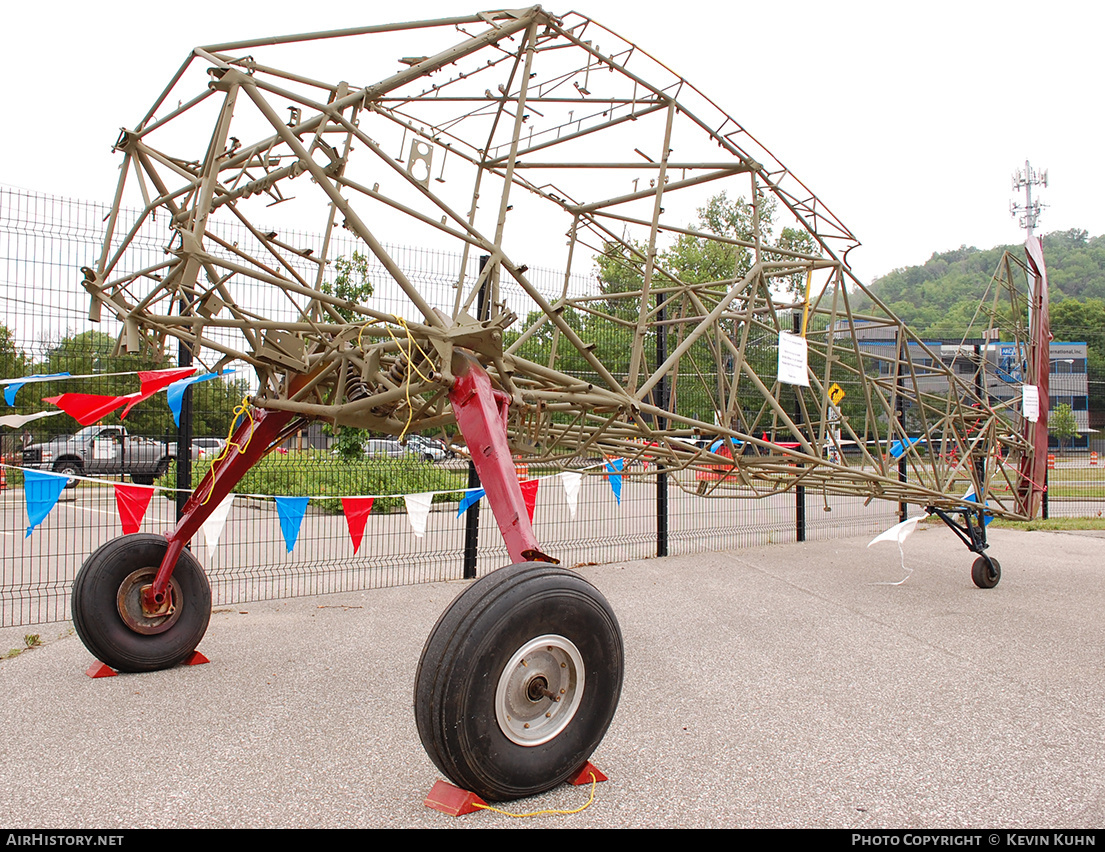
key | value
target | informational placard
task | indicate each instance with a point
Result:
(1030, 403)
(103, 448)
(793, 359)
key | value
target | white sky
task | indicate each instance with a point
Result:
(907, 119)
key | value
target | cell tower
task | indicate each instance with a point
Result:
(1029, 212)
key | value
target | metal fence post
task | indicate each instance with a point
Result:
(472, 517)
(184, 431)
(799, 490)
(661, 423)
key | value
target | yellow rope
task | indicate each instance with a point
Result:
(412, 345)
(545, 813)
(241, 409)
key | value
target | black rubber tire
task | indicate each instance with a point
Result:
(986, 572)
(68, 468)
(96, 614)
(142, 478)
(468, 652)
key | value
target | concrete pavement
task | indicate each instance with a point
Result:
(771, 686)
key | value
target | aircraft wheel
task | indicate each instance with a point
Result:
(518, 681)
(986, 572)
(107, 605)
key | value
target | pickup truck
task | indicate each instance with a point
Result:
(102, 450)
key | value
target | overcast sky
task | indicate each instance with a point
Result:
(907, 119)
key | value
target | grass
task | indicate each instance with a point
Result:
(315, 473)
(1056, 524)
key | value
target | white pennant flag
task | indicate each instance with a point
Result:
(14, 421)
(418, 510)
(571, 482)
(899, 533)
(213, 526)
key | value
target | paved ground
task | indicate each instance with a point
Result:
(773, 686)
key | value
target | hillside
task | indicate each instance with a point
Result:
(938, 298)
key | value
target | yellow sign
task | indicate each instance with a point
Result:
(836, 393)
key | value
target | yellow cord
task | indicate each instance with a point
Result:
(242, 408)
(412, 345)
(545, 813)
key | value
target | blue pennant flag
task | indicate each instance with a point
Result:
(291, 511)
(175, 392)
(469, 498)
(41, 491)
(12, 389)
(973, 498)
(614, 474)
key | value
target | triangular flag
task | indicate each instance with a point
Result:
(529, 494)
(86, 408)
(418, 510)
(132, 502)
(291, 510)
(14, 421)
(213, 526)
(155, 380)
(898, 532)
(469, 499)
(614, 475)
(571, 480)
(356, 514)
(13, 387)
(971, 497)
(175, 393)
(41, 491)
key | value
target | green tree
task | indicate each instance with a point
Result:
(1061, 424)
(351, 282)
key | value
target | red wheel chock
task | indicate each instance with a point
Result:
(98, 669)
(452, 800)
(584, 775)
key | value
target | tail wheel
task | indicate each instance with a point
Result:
(107, 605)
(519, 681)
(986, 572)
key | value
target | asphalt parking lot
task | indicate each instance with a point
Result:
(785, 685)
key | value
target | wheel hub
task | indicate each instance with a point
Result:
(135, 615)
(539, 690)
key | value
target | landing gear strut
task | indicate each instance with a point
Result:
(971, 529)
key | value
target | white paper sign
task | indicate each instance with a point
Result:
(792, 359)
(1030, 403)
(103, 448)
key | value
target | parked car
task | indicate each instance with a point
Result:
(207, 448)
(102, 450)
(428, 448)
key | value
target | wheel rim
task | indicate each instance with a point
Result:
(129, 602)
(539, 690)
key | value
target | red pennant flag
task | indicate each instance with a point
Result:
(155, 380)
(132, 502)
(529, 494)
(86, 408)
(152, 382)
(356, 514)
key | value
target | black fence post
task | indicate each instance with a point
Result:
(184, 430)
(899, 412)
(472, 517)
(661, 424)
(799, 490)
